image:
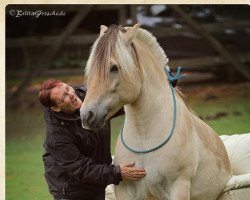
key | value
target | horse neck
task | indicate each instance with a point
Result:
(152, 112)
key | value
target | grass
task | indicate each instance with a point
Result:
(24, 166)
(24, 170)
(25, 132)
(237, 115)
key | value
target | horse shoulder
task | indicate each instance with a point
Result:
(211, 145)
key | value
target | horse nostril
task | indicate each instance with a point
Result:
(90, 114)
(91, 117)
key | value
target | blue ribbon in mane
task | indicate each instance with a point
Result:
(171, 78)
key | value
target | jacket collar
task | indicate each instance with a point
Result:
(67, 116)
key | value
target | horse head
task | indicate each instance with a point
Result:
(113, 75)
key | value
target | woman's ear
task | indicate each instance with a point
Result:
(55, 109)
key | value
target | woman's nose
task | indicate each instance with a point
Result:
(71, 95)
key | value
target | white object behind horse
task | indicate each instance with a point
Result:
(238, 149)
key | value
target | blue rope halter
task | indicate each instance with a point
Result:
(170, 78)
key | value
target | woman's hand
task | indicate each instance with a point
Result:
(129, 172)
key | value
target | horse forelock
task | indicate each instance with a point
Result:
(110, 49)
(103, 49)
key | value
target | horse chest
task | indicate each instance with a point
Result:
(152, 187)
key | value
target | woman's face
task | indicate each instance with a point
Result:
(65, 98)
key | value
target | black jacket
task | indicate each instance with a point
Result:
(77, 161)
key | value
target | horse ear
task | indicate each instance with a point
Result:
(131, 33)
(103, 29)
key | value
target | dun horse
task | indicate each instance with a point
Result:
(183, 157)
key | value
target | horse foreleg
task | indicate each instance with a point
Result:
(180, 189)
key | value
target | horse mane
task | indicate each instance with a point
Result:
(147, 38)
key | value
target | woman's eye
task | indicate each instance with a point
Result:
(114, 68)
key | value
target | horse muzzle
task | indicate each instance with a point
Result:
(93, 117)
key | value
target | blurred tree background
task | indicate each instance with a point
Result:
(210, 42)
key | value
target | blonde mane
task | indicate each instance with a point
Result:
(110, 48)
(148, 39)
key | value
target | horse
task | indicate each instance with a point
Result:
(184, 158)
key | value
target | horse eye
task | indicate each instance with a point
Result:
(114, 68)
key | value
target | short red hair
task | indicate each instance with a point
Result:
(45, 90)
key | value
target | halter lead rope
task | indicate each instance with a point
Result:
(170, 78)
(175, 77)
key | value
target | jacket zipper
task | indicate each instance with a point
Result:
(65, 185)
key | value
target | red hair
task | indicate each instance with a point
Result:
(45, 90)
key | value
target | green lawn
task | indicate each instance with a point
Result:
(24, 167)
(237, 119)
(25, 134)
